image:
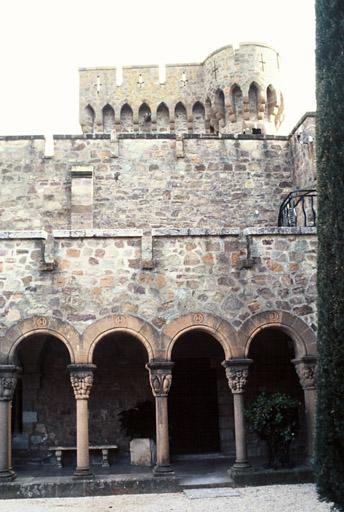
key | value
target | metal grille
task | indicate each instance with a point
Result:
(299, 209)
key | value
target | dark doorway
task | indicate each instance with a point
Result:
(193, 399)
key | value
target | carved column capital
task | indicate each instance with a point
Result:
(81, 377)
(237, 374)
(160, 377)
(8, 381)
(305, 369)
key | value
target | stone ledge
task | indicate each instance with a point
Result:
(297, 475)
(102, 485)
(98, 233)
(22, 137)
(271, 231)
(23, 235)
(169, 232)
(156, 232)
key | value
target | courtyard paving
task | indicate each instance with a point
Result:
(279, 498)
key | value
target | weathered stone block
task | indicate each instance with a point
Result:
(142, 452)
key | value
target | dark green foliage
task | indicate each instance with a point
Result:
(329, 453)
(275, 419)
(139, 422)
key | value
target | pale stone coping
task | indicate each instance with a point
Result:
(98, 233)
(156, 232)
(167, 135)
(300, 230)
(196, 232)
(180, 64)
(22, 137)
(24, 235)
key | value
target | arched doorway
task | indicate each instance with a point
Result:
(43, 411)
(200, 403)
(121, 382)
(272, 371)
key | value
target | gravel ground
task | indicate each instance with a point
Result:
(274, 498)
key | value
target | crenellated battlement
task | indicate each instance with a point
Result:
(231, 91)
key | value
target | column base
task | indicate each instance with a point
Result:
(161, 470)
(83, 474)
(7, 476)
(240, 467)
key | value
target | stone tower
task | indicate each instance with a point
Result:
(231, 91)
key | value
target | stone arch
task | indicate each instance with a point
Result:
(145, 118)
(90, 117)
(163, 118)
(126, 117)
(237, 100)
(303, 336)
(140, 329)
(108, 118)
(198, 118)
(253, 98)
(220, 329)
(41, 325)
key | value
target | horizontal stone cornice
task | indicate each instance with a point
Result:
(156, 232)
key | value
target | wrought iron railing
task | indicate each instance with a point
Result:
(299, 209)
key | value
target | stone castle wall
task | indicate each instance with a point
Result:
(232, 90)
(100, 276)
(149, 184)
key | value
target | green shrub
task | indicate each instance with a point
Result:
(274, 418)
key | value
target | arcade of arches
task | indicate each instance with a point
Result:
(48, 399)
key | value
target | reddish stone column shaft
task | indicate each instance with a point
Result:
(162, 437)
(310, 405)
(82, 445)
(4, 437)
(240, 429)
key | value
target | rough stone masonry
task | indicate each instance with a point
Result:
(159, 221)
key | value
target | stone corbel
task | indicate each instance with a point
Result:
(248, 261)
(49, 262)
(180, 153)
(114, 144)
(147, 250)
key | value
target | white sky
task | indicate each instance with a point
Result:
(44, 42)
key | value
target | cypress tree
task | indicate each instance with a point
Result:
(329, 451)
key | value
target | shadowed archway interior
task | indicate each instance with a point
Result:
(200, 408)
(43, 412)
(120, 382)
(272, 371)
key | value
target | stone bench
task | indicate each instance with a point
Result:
(58, 451)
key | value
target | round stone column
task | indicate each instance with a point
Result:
(237, 373)
(81, 376)
(8, 381)
(160, 377)
(305, 369)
